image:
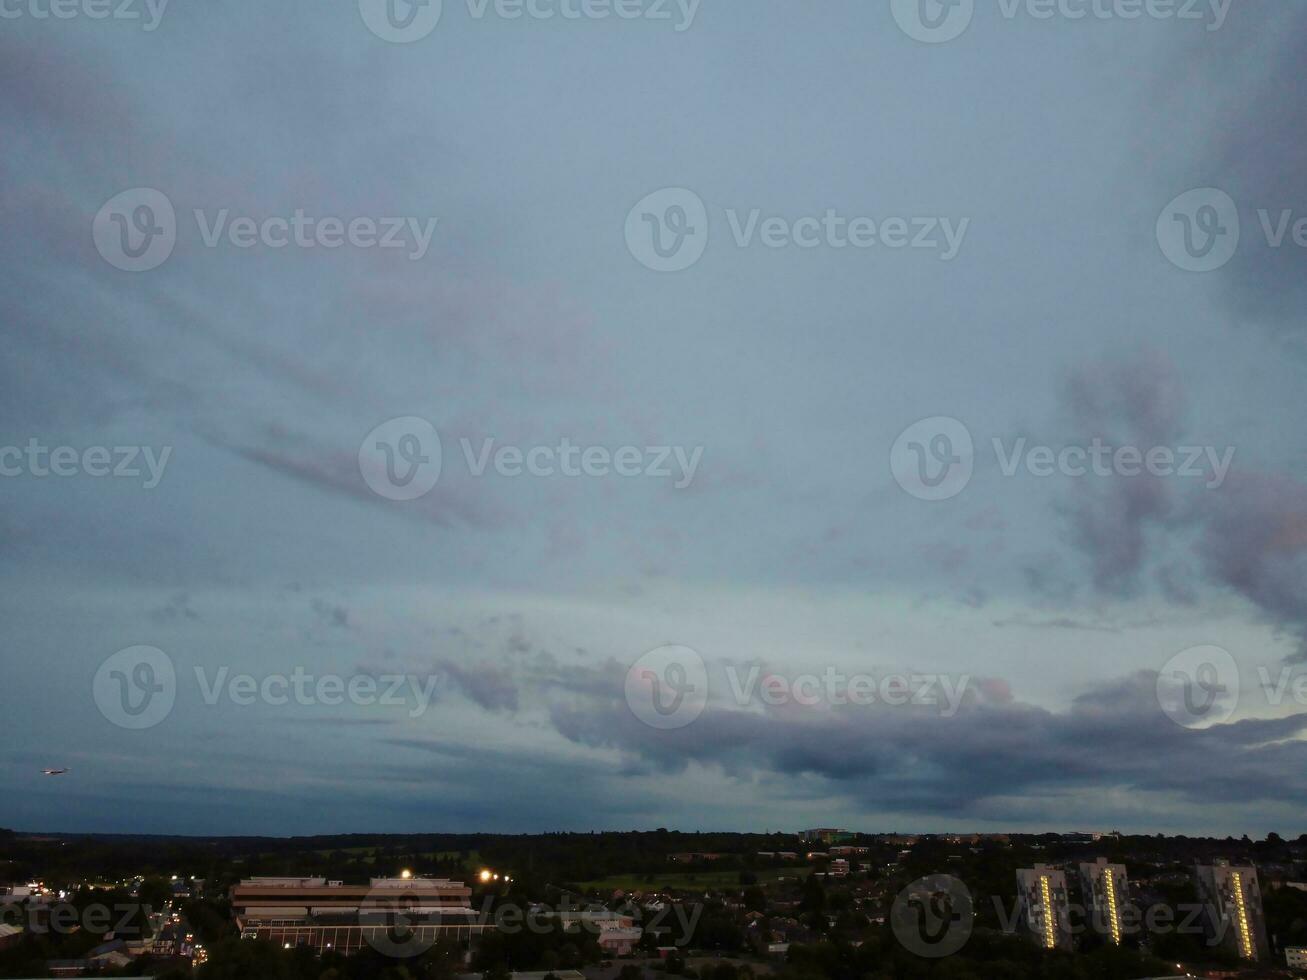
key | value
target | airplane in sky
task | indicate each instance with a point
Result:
(54, 772)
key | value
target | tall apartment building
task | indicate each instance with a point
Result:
(1107, 897)
(1045, 906)
(332, 915)
(1234, 917)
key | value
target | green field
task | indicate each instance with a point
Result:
(681, 880)
(368, 855)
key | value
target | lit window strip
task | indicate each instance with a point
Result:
(1112, 920)
(1241, 917)
(1050, 938)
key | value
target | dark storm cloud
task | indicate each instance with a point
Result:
(1135, 400)
(1255, 542)
(178, 607)
(1248, 536)
(910, 759)
(335, 469)
(1057, 623)
(331, 613)
(488, 686)
(1249, 76)
(455, 774)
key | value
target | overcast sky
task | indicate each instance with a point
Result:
(1024, 276)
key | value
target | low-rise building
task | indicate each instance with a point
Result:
(10, 936)
(617, 934)
(332, 915)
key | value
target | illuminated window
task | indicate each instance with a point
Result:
(1046, 897)
(1113, 917)
(1241, 918)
